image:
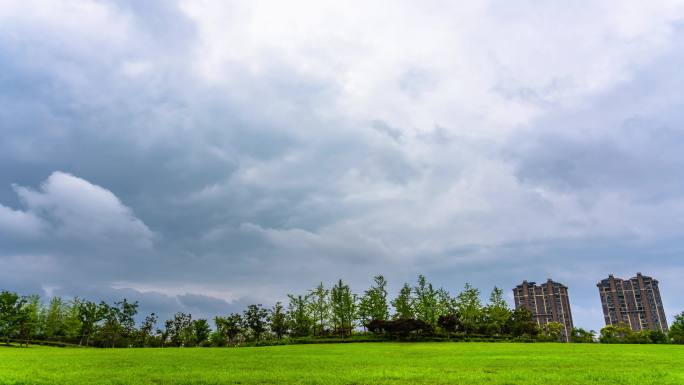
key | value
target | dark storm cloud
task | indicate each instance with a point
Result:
(170, 151)
(147, 153)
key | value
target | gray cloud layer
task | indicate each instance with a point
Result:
(201, 155)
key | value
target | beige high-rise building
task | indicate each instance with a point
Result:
(548, 302)
(635, 302)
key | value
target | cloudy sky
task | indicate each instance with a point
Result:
(200, 155)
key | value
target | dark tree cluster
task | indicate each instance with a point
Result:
(417, 312)
(402, 327)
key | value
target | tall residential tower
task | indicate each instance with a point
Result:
(547, 302)
(635, 302)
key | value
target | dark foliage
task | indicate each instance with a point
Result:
(450, 323)
(402, 328)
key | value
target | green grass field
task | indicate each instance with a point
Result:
(361, 363)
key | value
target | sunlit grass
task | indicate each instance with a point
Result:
(362, 363)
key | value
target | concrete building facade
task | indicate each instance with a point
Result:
(635, 302)
(548, 302)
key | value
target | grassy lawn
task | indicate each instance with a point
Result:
(363, 363)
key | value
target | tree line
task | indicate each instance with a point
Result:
(417, 312)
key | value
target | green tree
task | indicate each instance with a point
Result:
(111, 329)
(402, 303)
(278, 320)
(579, 335)
(496, 313)
(10, 314)
(522, 324)
(425, 302)
(319, 303)
(677, 329)
(655, 337)
(126, 312)
(552, 331)
(469, 308)
(179, 329)
(201, 331)
(146, 330)
(165, 333)
(28, 319)
(298, 315)
(616, 334)
(229, 327)
(373, 303)
(445, 304)
(343, 306)
(255, 320)
(72, 321)
(54, 319)
(89, 314)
